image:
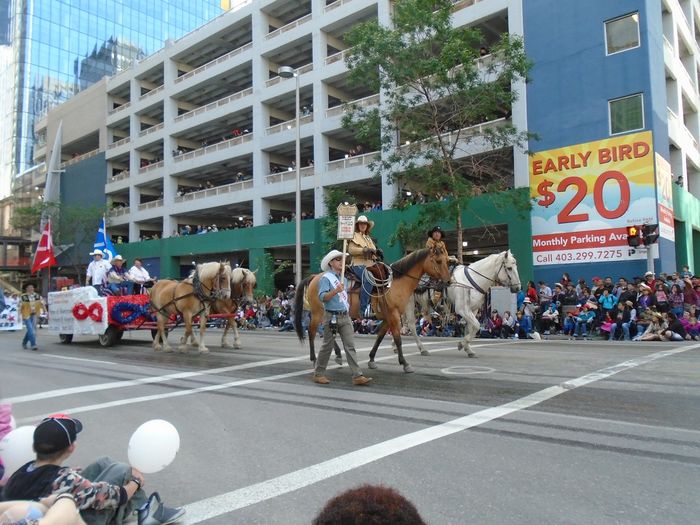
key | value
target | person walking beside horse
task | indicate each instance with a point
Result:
(331, 292)
(364, 254)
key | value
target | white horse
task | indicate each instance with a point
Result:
(470, 284)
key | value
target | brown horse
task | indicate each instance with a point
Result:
(388, 305)
(189, 298)
(243, 282)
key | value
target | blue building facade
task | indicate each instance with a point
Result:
(575, 77)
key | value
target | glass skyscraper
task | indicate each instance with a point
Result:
(51, 49)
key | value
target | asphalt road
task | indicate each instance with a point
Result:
(530, 432)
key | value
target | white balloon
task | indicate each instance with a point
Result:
(16, 449)
(153, 446)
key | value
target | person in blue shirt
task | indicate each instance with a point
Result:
(331, 292)
(583, 320)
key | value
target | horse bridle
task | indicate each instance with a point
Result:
(211, 294)
(497, 281)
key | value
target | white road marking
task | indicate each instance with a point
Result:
(159, 379)
(208, 388)
(80, 359)
(467, 370)
(237, 499)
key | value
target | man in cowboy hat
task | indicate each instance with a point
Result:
(118, 278)
(364, 253)
(332, 294)
(97, 270)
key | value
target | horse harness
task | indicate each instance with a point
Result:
(198, 288)
(495, 280)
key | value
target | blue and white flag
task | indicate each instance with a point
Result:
(103, 242)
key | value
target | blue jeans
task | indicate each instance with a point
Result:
(30, 334)
(365, 289)
(526, 324)
(582, 328)
(625, 331)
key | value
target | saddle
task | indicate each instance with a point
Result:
(377, 270)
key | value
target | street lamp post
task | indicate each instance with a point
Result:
(289, 72)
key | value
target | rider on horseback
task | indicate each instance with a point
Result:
(364, 254)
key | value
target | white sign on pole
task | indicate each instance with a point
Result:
(346, 221)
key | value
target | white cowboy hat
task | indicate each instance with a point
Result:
(97, 251)
(363, 218)
(325, 263)
(117, 258)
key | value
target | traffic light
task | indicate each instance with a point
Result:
(649, 231)
(633, 236)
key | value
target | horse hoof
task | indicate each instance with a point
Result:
(183, 349)
(459, 346)
(157, 349)
(167, 349)
(227, 345)
(408, 369)
(203, 351)
(237, 346)
(424, 352)
(372, 365)
(339, 361)
(471, 354)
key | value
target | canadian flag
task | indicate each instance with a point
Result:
(44, 257)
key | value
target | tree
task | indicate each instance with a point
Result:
(444, 115)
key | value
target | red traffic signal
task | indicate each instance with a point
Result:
(633, 238)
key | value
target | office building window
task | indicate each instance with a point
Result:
(622, 33)
(626, 114)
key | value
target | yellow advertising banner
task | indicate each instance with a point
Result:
(585, 195)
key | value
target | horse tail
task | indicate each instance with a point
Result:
(299, 306)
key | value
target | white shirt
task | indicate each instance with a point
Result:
(139, 275)
(97, 271)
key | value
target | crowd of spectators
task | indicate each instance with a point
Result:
(645, 308)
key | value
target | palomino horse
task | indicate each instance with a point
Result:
(189, 298)
(388, 305)
(470, 284)
(243, 282)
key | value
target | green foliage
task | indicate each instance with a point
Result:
(441, 103)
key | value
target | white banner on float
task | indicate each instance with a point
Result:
(78, 311)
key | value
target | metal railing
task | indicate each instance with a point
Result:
(352, 162)
(303, 69)
(118, 109)
(152, 92)
(214, 147)
(372, 100)
(84, 156)
(213, 192)
(272, 178)
(290, 124)
(153, 204)
(212, 63)
(340, 55)
(214, 105)
(335, 5)
(152, 167)
(119, 176)
(288, 27)
(152, 129)
(118, 143)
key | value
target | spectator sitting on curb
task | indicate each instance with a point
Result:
(106, 492)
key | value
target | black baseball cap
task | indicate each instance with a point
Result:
(55, 433)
